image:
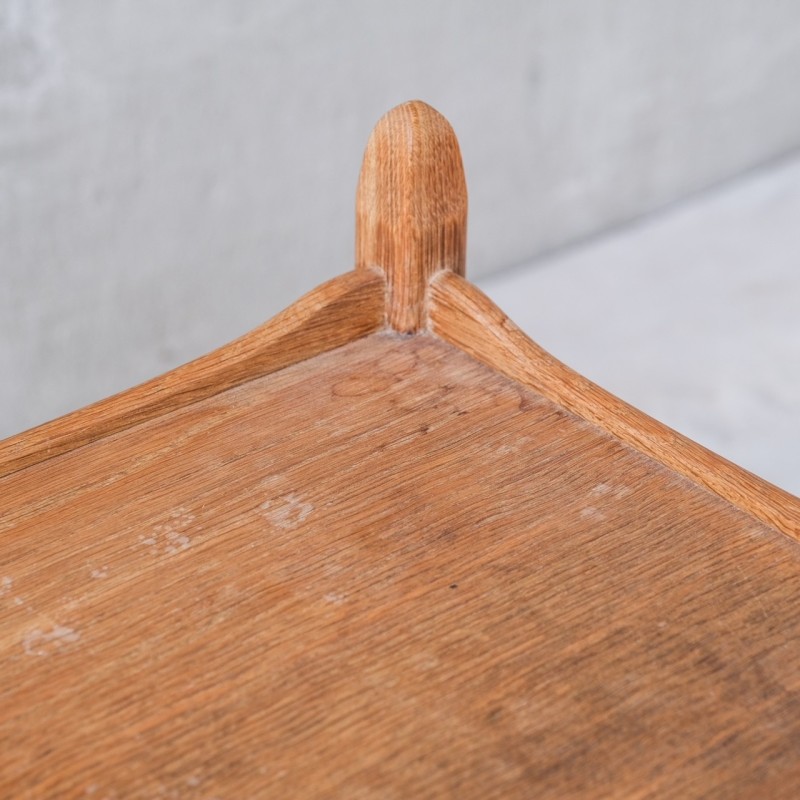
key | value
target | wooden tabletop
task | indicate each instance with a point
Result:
(385, 546)
(389, 572)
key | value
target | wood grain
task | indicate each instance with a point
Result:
(411, 207)
(462, 315)
(337, 312)
(328, 562)
(389, 571)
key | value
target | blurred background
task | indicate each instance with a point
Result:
(173, 173)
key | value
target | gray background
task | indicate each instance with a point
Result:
(172, 173)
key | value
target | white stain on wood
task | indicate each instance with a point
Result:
(603, 489)
(287, 512)
(170, 537)
(38, 642)
(592, 513)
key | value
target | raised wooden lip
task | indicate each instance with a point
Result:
(421, 291)
(460, 314)
(335, 313)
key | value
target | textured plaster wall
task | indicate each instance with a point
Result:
(174, 172)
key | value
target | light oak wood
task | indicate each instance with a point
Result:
(389, 571)
(462, 315)
(335, 560)
(337, 312)
(411, 208)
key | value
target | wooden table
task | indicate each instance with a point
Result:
(385, 546)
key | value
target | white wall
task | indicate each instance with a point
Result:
(173, 172)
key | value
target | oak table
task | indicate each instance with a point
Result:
(386, 546)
